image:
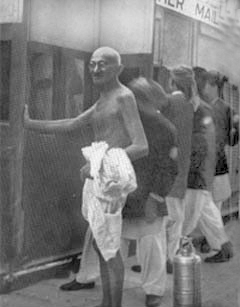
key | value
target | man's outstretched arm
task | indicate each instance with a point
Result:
(56, 126)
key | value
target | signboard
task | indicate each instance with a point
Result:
(11, 11)
(213, 12)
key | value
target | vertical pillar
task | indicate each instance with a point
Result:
(59, 84)
(18, 97)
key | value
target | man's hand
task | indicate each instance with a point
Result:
(85, 172)
(155, 207)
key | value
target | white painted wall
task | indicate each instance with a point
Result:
(126, 25)
(66, 23)
(219, 52)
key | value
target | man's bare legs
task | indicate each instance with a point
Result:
(112, 276)
(116, 273)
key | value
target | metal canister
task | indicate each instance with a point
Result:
(186, 276)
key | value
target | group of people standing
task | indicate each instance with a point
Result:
(176, 144)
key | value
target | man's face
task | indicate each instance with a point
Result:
(208, 92)
(103, 68)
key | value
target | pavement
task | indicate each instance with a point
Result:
(220, 286)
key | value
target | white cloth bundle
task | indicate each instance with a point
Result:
(104, 196)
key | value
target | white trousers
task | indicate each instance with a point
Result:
(176, 212)
(151, 252)
(200, 210)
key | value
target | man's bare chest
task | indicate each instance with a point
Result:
(106, 111)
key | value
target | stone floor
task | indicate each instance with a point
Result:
(220, 286)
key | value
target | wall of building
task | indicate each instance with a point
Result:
(173, 38)
(127, 25)
(219, 50)
(62, 35)
(181, 39)
(71, 24)
(85, 25)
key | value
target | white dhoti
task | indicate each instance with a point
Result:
(104, 196)
(151, 246)
(200, 210)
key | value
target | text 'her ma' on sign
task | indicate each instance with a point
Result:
(212, 12)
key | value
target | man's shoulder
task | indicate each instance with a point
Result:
(178, 100)
(124, 94)
(178, 105)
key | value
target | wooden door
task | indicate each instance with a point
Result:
(52, 189)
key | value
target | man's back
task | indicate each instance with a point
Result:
(180, 112)
(203, 155)
(157, 171)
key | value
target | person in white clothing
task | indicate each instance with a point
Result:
(209, 215)
(179, 110)
(114, 119)
(144, 215)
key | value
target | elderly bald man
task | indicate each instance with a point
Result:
(114, 119)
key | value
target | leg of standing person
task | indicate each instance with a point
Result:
(212, 227)
(193, 208)
(89, 267)
(112, 276)
(200, 210)
(152, 250)
(176, 210)
(152, 258)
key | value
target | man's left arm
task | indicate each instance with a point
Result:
(139, 145)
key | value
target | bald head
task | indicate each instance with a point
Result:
(105, 66)
(109, 54)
